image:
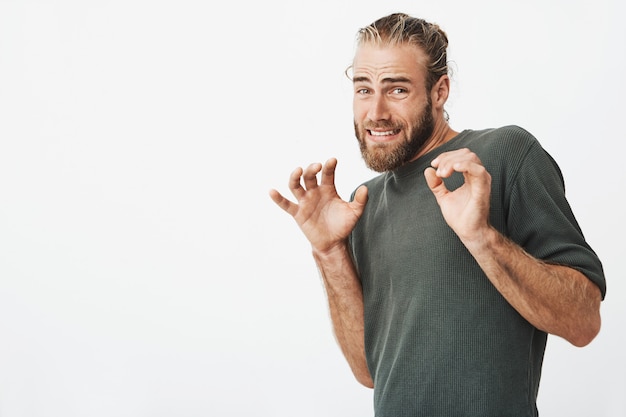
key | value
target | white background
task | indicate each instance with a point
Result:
(144, 271)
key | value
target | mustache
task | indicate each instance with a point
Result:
(382, 125)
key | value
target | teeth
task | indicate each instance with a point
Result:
(387, 133)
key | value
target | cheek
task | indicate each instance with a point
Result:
(359, 109)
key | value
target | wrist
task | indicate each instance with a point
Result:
(334, 251)
(482, 239)
(336, 267)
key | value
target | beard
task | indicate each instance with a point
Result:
(389, 156)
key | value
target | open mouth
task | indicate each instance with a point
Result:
(381, 134)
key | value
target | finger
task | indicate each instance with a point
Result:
(328, 172)
(447, 156)
(472, 170)
(435, 183)
(446, 163)
(310, 175)
(475, 174)
(283, 203)
(294, 184)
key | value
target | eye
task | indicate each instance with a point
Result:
(362, 91)
(399, 90)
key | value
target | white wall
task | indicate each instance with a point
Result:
(143, 269)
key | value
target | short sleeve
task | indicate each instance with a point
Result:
(541, 220)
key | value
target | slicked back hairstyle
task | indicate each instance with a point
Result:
(400, 28)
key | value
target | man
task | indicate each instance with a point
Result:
(444, 274)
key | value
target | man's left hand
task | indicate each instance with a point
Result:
(466, 209)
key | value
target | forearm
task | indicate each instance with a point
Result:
(554, 298)
(345, 301)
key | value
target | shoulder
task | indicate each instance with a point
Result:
(509, 145)
(510, 138)
(509, 150)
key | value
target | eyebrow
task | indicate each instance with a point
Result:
(388, 80)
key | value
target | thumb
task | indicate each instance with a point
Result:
(360, 199)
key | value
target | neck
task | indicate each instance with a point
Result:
(442, 133)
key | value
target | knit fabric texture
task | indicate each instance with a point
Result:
(440, 340)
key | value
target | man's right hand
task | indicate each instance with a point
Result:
(325, 219)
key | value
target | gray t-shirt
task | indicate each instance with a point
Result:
(440, 340)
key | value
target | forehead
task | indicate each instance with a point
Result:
(377, 62)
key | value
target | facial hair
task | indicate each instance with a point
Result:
(387, 157)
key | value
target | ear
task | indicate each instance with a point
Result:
(441, 91)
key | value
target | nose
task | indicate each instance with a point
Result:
(378, 109)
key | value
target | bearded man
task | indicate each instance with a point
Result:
(445, 273)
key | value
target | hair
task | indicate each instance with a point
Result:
(400, 28)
